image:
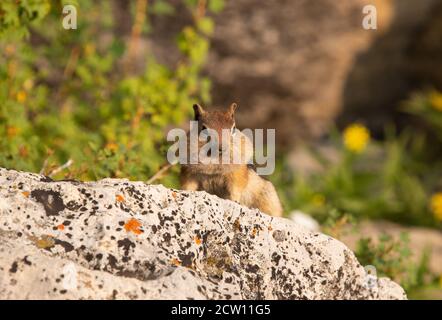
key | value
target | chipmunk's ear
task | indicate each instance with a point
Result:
(232, 109)
(198, 110)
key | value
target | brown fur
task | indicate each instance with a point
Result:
(236, 182)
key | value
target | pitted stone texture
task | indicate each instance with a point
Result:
(115, 239)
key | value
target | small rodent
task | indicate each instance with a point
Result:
(237, 182)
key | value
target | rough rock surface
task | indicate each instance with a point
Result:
(115, 239)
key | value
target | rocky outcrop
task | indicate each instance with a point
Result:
(115, 239)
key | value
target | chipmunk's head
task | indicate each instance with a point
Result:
(218, 121)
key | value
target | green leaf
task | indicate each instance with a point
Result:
(161, 7)
(206, 25)
(216, 5)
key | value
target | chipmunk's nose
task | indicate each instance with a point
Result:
(222, 148)
(223, 140)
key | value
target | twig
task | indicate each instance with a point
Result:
(137, 27)
(72, 63)
(45, 164)
(160, 173)
(201, 9)
(61, 168)
(49, 153)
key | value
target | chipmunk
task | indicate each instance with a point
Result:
(233, 181)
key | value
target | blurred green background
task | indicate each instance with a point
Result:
(97, 102)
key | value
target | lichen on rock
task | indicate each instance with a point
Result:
(115, 239)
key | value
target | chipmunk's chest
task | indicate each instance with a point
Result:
(214, 184)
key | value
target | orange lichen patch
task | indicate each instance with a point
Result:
(254, 231)
(198, 240)
(120, 198)
(174, 194)
(25, 193)
(60, 227)
(133, 225)
(45, 242)
(237, 225)
(88, 284)
(270, 228)
(175, 262)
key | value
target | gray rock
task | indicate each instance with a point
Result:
(116, 239)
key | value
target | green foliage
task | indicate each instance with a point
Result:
(74, 94)
(337, 224)
(396, 179)
(78, 94)
(16, 16)
(162, 7)
(390, 180)
(216, 5)
(427, 106)
(393, 258)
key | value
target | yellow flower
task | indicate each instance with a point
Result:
(12, 68)
(318, 200)
(28, 84)
(436, 205)
(111, 146)
(436, 100)
(21, 96)
(12, 131)
(9, 50)
(356, 138)
(89, 49)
